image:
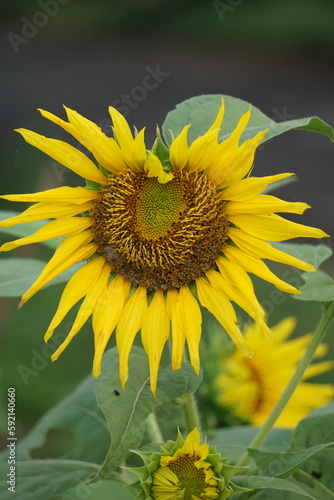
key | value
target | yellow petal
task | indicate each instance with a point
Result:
(70, 251)
(105, 149)
(219, 118)
(202, 152)
(65, 154)
(272, 227)
(154, 334)
(189, 317)
(232, 142)
(154, 168)
(53, 229)
(41, 211)
(62, 195)
(179, 151)
(114, 162)
(317, 369)
(236, 164)
(128, 326)
(178, 337)
(216, 302)
(86, 309)
(262, 249)
(248, 188)
(106, 315)
(257, 267)
(76, 288)
(132, 149)
(264, 204)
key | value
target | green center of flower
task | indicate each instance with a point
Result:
(159, 235)
(158, 208)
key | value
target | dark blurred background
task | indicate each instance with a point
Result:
(90, 54)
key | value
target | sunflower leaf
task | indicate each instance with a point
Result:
(16, 275)
(284, 464)
(318, 286)
(201, 111)
(316, 428)
(258, 483)
(43, 479)
(126, 411)
(313, 254)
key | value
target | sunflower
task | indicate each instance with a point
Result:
(251, 387)
(159, 237)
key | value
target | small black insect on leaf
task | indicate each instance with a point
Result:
(116, 392)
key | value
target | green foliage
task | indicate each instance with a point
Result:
(257, 483)
(319, 286)
(200, 112)
(136, 403)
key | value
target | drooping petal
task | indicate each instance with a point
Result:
(262, 249)
(53, 229)
(179, 151)
(76, 288)
(106, 315)
(257, 267)
(86, 309)
(216, 302)
(62, 195)
(70, 251)
(41, 211)
(178, 337)
(265, 204)
(272, 227)
(153, 168)
(128, 326)
(189, 317)
(65, 154)
(248, 188)
(154, 334)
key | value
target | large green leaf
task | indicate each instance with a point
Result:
(318, 286)
(257, 483)
(78, 421)
(27, 229)
(284, 464)
(127, 411)
(44, 479)
(201, 111)
(17, 275)
(232, 442)
(316, 428)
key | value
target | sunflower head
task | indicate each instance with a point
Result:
(161, 232)
(185, 470)
(250, 387)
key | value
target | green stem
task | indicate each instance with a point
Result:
(190, 412)
(153, 429)
(327, 315)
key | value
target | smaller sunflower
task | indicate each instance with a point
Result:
(252, 386)
(186, 470)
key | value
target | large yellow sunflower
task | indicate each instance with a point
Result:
(252, 387)
(159, 240)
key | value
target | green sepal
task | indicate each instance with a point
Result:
(161, 151)
(92, 185)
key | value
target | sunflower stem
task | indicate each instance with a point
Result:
(190, 412)
(153, 429)
(327, 315)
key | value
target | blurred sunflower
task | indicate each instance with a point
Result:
(252, 387)
(160, 237)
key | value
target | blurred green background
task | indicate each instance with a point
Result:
(90, 54)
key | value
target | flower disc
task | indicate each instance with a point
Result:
(159, 235)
